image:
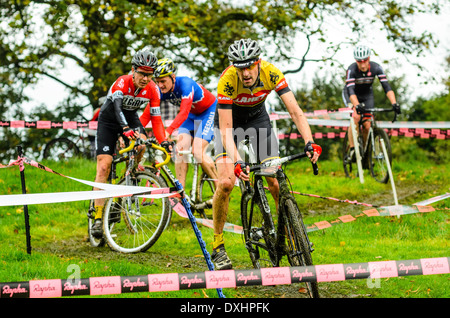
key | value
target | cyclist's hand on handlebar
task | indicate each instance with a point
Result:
(241, 170)
(396, 108)
(360, 108)
(167, 145)
(313, 151)
(129, 133)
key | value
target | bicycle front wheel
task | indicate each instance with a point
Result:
(348, 159)
(298, 248)
(378, 164)
(133, 224)
(61, 149)
(258, 233)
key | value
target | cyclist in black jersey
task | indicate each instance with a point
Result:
(358, 91)
(242, 89)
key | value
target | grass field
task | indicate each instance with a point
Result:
(59, 232)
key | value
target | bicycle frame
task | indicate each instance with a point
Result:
(362, 150)
(284, 191)
(290, 237)
(194, 200)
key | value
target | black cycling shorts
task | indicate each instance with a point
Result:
(260, 133)
(108, 134)
(366, 99)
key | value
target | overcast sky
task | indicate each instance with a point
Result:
(50, 92)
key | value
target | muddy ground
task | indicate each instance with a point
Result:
(406, 193)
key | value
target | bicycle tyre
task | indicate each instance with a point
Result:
(61, 149)
(258, 241)
(349, 162)
(298, 249)
(135, 228)
(377, 161)
(205, 192)
(95, 242)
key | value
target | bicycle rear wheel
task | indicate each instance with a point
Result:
(95, 242)
(377, 160)
(298, 249)
(205, 193)
(61, 149)
(133, 224)
(258, 234)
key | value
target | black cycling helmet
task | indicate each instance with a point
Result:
(145, 60)
(244, 53)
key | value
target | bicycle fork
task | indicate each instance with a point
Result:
(271, 236)
(284, 192)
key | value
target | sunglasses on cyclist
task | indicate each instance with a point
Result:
(250, 67)
(143, 74)
(362, 61)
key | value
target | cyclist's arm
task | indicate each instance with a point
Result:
(117, 103)
(350, 83)
(145, 117)
(157, 124)
(299, 119)
(226, 133)
(185, 108)
(391, 96)
(354, 100)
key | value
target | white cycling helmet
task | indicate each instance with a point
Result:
(361, 52)
(244, 53)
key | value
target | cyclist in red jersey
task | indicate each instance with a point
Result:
(118, 115)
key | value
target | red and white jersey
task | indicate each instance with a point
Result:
(124, 100)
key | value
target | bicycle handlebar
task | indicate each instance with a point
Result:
(129, 148)
(278, 162)
(382, 110)
(153, 145)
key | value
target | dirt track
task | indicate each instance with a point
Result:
(74, 248)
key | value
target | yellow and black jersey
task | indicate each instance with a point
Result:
(233, 95)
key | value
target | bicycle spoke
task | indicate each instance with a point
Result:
(260, 242)
(298, 245)
(377, 159)
(141, 220)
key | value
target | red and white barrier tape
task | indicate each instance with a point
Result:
(94, 286)
(393, 210)
(110, 190)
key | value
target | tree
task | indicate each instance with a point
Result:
(39, 38)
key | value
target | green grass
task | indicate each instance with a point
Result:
(59, 232)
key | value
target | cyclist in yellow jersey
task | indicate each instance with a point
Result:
(242, 89)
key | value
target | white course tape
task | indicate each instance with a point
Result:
(58, 197)
(339, 119)
(433, 200)
(108, 191)
(382, 124)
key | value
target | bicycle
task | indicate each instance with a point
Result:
(370, 151)
(265, 241)
(133, 224)
(203, 187)
(63, 148)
